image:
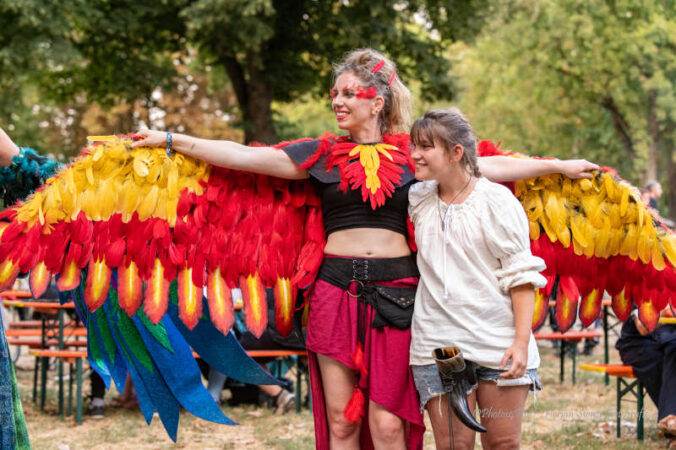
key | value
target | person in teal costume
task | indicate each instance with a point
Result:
(22, 170)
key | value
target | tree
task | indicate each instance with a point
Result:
(34, 37)
(592, 78)
(63, 56)
(279, 50)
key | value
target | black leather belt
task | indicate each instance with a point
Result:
(341, 272)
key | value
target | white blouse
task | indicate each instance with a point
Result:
(467, 271)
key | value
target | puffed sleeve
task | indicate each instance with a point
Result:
(506, 231)
(418, 195)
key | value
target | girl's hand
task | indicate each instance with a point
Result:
(577, 168)
(518, 354)
(151, 138)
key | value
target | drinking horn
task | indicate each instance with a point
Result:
(458, 377)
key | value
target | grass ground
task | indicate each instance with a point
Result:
(562, 417)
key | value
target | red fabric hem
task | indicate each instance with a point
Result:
(332, 332)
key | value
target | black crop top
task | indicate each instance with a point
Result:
(344, 210)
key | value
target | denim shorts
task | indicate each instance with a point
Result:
(428, 382)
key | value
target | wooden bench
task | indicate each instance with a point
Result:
(569, 336)
(25, 324)
(38, 343)
(624, 387)
(71, 357)
(37, 332)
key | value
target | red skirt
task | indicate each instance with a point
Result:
(332, 332)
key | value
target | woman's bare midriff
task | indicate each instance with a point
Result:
(367, 243)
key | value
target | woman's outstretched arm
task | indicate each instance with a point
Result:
(8, 149)
(505, 168)
(231, 155)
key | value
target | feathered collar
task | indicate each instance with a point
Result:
(375, 169)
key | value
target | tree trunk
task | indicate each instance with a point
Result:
(254, 98)
(258, 112)
(670, 192)
(620, 124)
(654, 133)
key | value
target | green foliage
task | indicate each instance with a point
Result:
(305, 117)
(576, 78)
(280, 50)
(34, 36)
(124, 51)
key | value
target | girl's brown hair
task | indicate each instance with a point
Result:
(449, 127)
(396, 113)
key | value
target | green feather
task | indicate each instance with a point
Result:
(94, 349)
(158, 331)
(130, 334)
(173, 292)
(106, 334)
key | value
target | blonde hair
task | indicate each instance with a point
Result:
(396, 113)
(449, 127)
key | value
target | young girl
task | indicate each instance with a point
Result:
(477, 280)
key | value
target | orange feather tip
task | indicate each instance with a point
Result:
(540, 310)
(3, 227)
(621, 304)
(9, 270)
(39, 279)
(590, 307)
(648, 314)
(566, 310)
(255, 304)
(156, 294)
(129, 288)
(98, 283)
(219, 299)
(285, 302)
(569, 288)
(189, 299)
(69, 277)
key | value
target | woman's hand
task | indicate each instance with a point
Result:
(8, 149)
(151, 138)
(518, 354)
(577, 168)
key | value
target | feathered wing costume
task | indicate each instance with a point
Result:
(135, 235)
(595, 236)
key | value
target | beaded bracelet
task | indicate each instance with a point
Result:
(170, 151)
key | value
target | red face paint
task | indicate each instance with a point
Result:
(358, 91)
(367, 93)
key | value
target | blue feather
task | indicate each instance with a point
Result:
(186, 383)
(156, 389)
(222, 352)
